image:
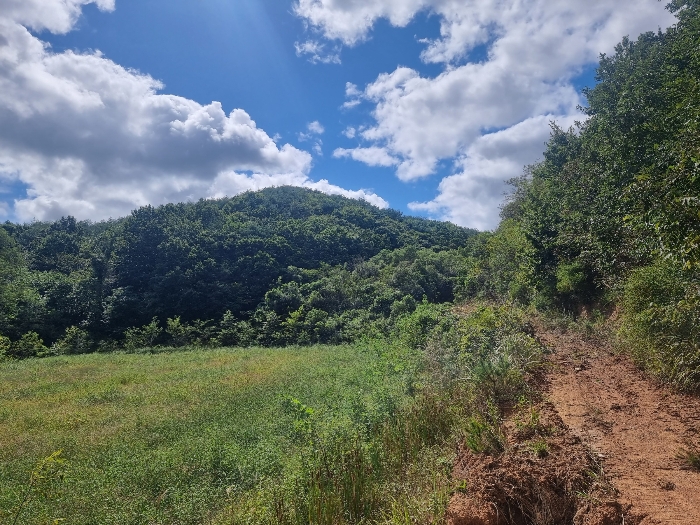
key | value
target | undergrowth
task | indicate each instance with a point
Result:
(661, 323)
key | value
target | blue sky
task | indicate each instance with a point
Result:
(427, 106)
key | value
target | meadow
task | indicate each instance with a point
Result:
(322, 435)
(183, 437)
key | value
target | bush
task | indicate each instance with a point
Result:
(496, 351)
(661, 322)
(144, 337)
(30, 345)
(197, 333)
(413, 329)
(5, 345)
(75, 341)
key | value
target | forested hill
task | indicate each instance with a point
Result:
(196, 261)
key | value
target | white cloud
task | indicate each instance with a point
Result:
(472, 196)
(353, 94)
(232, 183)
(57, 16)
(351, 21)
(316, 127)
(351, 90)
(317, 52)
(313, 128)
(350, 132)
(534, 50)
(371, 156)
(90, 138)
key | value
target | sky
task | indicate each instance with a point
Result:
(425, 106)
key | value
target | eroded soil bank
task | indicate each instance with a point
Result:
(605, 449)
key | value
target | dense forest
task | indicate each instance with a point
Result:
(608, 221)
(283, 265)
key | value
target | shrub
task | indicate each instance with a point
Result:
(30, 345)
(75, 341)
(5, 345)
(661, 322)
(484, 435)
(570, 278)
(197, 333)
(144, 337)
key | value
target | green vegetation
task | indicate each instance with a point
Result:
(136, 414)
(611, 215)
(279, 266)
(160, 438)
(342, 434)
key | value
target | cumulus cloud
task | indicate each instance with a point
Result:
(232, 183)
(534, 50)
(90, 138)
(371, 156)
(57, 16)
(350, 22)
(317, 52)
(472, 195)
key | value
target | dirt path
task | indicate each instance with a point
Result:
(635, 426)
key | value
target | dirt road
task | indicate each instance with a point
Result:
(635, 426)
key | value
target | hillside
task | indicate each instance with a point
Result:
(198, 261)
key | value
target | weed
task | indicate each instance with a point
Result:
(45, 474)
(540, 448)
(690, 457)
(527, 420)
(484, 437)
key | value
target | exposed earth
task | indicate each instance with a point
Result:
(614, 453)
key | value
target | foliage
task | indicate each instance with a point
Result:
(254, 256)
(144, 337)
(483, 436)
(74, 341)
(5, 347)
(29, 345)
(340, 434)
(661, 321)
(612, 211)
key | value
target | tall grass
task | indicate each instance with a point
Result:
(168, 438)
(300, 436)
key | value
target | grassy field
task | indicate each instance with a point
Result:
(345, 435)
(178, 438)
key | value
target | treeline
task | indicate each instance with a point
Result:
(611, 216)
(279, 266)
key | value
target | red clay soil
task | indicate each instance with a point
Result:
(521, 487)
(613, 438)
(635, 426)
